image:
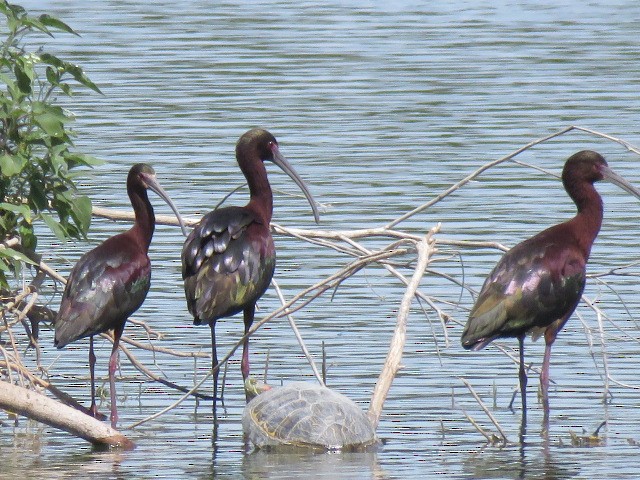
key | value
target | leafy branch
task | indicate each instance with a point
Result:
(36, 146)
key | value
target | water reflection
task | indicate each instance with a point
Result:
(264, 465)
(75, 460)
(99, 464)
(517, 462)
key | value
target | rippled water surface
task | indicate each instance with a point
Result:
(380, 108)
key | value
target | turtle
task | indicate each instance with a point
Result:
(304, 415)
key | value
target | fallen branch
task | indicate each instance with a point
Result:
(41, 408)
(62, 396)
(392, 363)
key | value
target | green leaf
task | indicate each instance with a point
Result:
(42, 107)
(37, 195)
(52, 76)
(35, 23)
(15, 255)
(53, 22)
(4, 78)
(27, 237)
(23, 79)
(51, 60)
(50, 124)
(13, 10)
(82, 159)
(4, 8)
(57, 229)
(11, 165)
(81, 77)
(66, 67)
(81, 211)
(50, 118)
(58, 164)
(22, 209)
(15, 15)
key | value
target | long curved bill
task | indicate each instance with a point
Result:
(152, 183)
(616, 179)
(286, 167)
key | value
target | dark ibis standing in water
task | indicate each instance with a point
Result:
(537, 284)
(111, 281)
(229, 257)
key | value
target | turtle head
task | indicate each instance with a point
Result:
(254, 387)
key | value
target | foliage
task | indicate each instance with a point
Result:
(36, 156)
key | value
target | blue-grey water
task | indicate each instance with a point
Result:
(380, 106)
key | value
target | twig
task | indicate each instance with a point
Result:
(475, 174)
(150, 331)
(115, 214)
(168, 351)
(492, 164)
(296, 332)
(142, 369)
(489, 436)
(486, 411)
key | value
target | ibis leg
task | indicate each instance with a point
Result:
(249, 313)
(544, 374)
(248, 321)
(92, 364)
(544, 383)
(113, 364)
(214, 363)
(523, 375)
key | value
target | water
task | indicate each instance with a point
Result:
(379, 107)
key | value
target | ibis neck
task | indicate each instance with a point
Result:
(145, 218)
(261, 196)
(588, 218)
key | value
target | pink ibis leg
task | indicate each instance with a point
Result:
(544, 384)
(249, 313)
(113, 364)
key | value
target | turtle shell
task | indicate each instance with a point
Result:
(306, 415)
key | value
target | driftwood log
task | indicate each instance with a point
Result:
(41, 408)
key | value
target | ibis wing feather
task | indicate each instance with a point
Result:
(220, 280)
(533, 285)
(107, 285)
